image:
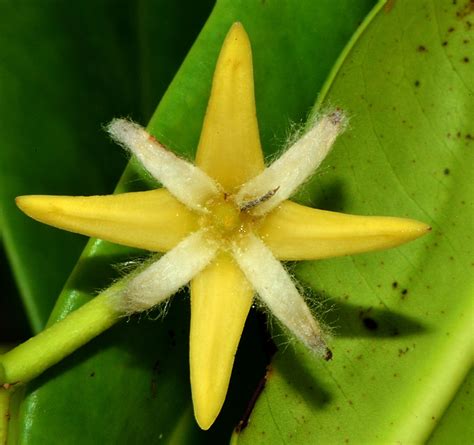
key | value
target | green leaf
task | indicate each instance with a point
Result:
(403, 318)
(65, 70)
(52, 69)
(111, 391)
(455, 426)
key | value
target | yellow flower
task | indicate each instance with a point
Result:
(225, 223)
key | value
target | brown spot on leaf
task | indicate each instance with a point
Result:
(388, 6)
(465, 10)
(403, 351)
(328, 355)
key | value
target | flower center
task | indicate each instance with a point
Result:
(225, 216)
(225, 220)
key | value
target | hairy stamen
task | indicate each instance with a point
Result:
(188, 183)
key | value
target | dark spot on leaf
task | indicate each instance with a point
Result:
(403, 351)
(451, 29)
(394, 284)
(417, 83)
(469, 137)
(465, 41)
(446, 171)
(445, 43)
(404, 291)
(92, 374)
(422, 49)
(370, 323)
(465, 10)
(328, 355)
(465, 59)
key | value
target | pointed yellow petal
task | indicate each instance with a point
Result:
(152, 220)
(220, 301)
(229, 149)
(296, 232)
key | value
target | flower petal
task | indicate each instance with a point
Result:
(229, 149)
(296, 165)
(276, 289)
(167, 275)
(296, 232)
(152, 220)
(185, 181)
(220, 301)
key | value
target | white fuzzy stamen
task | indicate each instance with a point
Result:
(295, 166)
(185, 181)
(276, 289)
(168, 274)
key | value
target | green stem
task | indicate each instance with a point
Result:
(31, 358)
(4, 414)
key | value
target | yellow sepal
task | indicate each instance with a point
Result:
(220, 301)
(152, 220)
(229, 149)
(296, 232)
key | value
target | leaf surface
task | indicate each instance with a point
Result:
(403, 318)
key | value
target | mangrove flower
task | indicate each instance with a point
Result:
(225, 224)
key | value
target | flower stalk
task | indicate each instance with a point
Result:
(31, 358)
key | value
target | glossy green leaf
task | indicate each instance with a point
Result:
(454, 426)
(51, 69)
(112, 388)
(65, 70)
(402, 319)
